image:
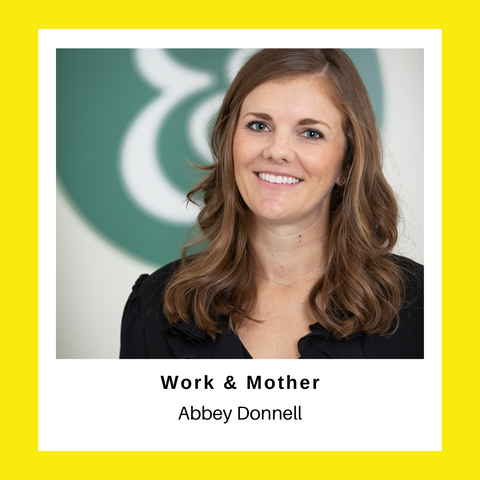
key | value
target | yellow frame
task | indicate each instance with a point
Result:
(19, 214)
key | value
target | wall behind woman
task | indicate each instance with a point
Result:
(127, 120)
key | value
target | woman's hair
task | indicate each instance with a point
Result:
(362, 288)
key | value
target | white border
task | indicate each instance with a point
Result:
(240, 38)
(360, 405)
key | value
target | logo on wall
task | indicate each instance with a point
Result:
(127, 121)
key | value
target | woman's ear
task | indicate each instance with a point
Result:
(341, 180)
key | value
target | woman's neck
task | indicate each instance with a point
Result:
(287, 253)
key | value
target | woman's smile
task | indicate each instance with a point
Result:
(276, 178)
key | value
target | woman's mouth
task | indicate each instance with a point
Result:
(277, 178)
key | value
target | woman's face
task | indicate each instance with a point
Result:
(288, 150)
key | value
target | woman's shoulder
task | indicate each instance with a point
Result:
(147, 291)
(413, 277)
(164, 273)
(407, 264)
(154, 283)
(143, 323)
(407, 341)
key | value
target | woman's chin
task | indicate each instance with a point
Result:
(284, 216)
(281, 217)
(273, 213)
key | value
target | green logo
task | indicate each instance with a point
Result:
(127, 120)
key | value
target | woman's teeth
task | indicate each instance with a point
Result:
(279, 179)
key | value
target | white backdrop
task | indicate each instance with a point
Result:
(94, 278)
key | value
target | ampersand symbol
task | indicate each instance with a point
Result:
(230, 384)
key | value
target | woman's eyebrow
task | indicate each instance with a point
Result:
(263, 116)
(311, 121)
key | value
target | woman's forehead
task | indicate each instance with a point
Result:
(302, 95)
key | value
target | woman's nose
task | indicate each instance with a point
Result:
(280, 148)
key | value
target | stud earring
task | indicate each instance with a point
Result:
(343, 180)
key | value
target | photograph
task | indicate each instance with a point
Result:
(240, 203)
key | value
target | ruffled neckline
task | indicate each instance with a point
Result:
(188, 341)
(320, 343)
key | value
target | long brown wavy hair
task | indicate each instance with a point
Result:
(362, 288)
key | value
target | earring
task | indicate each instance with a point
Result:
(343, 180)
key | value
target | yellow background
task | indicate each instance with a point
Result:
(20, 24)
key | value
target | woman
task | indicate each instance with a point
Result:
(297, 228)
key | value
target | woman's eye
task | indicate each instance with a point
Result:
(313, 134)
(258, 126)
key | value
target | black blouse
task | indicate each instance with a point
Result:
(146, 332)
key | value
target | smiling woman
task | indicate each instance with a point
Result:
(298, 225)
